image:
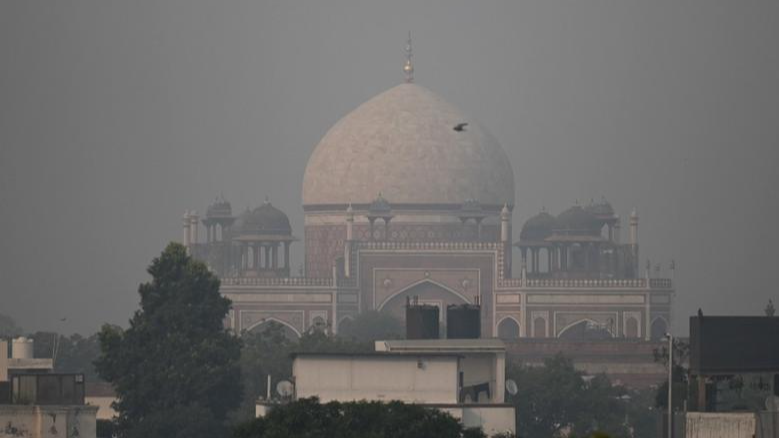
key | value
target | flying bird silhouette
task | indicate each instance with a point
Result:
(460, 127)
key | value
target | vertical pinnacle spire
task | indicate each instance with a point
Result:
(408, 69)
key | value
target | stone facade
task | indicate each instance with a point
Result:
(383, 274)
(408, 197)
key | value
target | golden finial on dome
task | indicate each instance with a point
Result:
(408, 69)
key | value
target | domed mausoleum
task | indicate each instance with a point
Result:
(409, 197)
(422, 155)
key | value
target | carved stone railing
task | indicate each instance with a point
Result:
(660, 283)
(627, 283)
(511, 282)
(390, 245)
(277, 281)
(347, 282)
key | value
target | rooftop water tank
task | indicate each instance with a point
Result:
(22, 348)
(463, 321)
(422, 321)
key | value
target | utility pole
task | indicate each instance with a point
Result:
(670, 383)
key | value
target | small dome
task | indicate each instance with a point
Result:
(471, 206)
(219, 208)
(538, 227)
(602, 209)
(379, 205)
(577, 219)
(265, 220)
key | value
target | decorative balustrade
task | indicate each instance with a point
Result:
(629, 283)
(347, 282)
(277, 281)
(392, 245)
(660, 283)
(511, 282)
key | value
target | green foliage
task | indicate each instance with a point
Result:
(75, 354)
(264, 353)
(267, 352)
(8, 327)
(372, 326)
(556, 400)
(307, 418)
(681, 385)
(175, 369)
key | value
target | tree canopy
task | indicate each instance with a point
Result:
(371, 326)
(176, 368)
(307, 418)
(267, 352)
(8, 327)
(556, 400)
(74, 353)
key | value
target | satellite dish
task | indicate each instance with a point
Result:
(511, 387)
(285, 388)
(772, 403)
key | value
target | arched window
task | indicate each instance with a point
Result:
(631, 328)
(345, 325)
(508, 329)
(319, 324)
(539, 328)
(659, 328)
(272, 325)
(585, 330)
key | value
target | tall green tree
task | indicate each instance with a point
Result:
(176, 368)
(556, 400)
(681, 387)
(74, 353)
(265, 353)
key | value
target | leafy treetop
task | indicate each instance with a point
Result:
(176, 368)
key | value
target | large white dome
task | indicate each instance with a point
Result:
(402, 144)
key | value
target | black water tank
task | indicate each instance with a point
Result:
(463, 321)
(421, 321)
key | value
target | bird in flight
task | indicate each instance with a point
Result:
(460, 127)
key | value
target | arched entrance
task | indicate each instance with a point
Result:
(427, 292)
(659, 328)
(345, 325)
(585, 330)
(508, 328)
(270, 325)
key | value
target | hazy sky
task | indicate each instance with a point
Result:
(116, 116)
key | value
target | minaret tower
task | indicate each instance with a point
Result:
(634, 239)
(505, 238)
(349, 239)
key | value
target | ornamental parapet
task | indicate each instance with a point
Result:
(660, 283)
(511, 282)
(447, 246)
(617, 283)
(347, 282)
(277, 281)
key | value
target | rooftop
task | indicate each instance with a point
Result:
(453, 346)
